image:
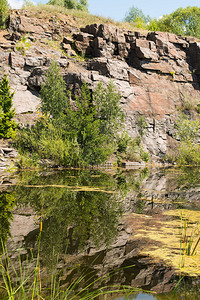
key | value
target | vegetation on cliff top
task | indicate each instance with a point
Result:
(183, 21)
(71, 4)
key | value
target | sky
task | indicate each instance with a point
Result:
(117, 9)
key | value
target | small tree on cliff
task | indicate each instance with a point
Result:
(7, 125)
(53, 95)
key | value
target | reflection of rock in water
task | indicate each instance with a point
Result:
(163, 191)
(129, 260)
(24, 228)
(112, 261)
(122, 264)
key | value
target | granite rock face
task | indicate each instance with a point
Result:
(154, 72)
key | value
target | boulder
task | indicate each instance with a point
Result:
(25, 101)
(67, 40)
(156, 66)
(37, 77)
(17, 60)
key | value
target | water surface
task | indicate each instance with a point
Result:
(123, 223)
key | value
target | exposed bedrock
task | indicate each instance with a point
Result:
(154, 72)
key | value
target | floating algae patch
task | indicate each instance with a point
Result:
(157, 201)
(160, 239)
(72, 188)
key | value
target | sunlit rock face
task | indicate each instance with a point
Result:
(156, 73)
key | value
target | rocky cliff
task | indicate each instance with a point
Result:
(156, 73)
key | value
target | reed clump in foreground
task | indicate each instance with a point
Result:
(24, 279)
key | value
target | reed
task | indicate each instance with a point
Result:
(189, 238)
(22, 280)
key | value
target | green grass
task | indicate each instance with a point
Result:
(27, 281)
(81, 18)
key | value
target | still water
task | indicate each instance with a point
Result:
(124, 226)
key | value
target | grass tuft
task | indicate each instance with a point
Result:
(189, 238)
(22, 280)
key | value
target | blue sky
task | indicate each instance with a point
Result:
(116, 9)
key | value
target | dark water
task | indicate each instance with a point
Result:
(82, 217)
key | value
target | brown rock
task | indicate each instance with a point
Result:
(156, 66)
(134, 79)
(98, 43)
(84, 37)
(142, 43)
(37, 77)
(4, 57)
(67, 40)
(68, 49)
(111, 33)
(194, 54)
(25, 101)
(32, 61)
(30, 26)
(83, 48)
(91, 29)
(123, 50)
(7, 46)
(118, 69)
(146, 53)
(130, 37)
(16, 60)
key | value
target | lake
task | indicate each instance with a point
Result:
(99, 230)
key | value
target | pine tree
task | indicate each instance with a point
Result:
(53, 96)
(7, 125)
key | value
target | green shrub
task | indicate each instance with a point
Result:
(144, 155)
(4, 12)
(188, 131)
(135, 151)
(142, 124)
(7, 125)
(27, 161)
(80, 136)
(198, 108)
(189, 154)
(7, 203)
(122, 142)
(23, 45)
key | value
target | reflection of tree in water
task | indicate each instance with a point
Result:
(7, 201)
(71, 218)
(190, 177)
(73, 177)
